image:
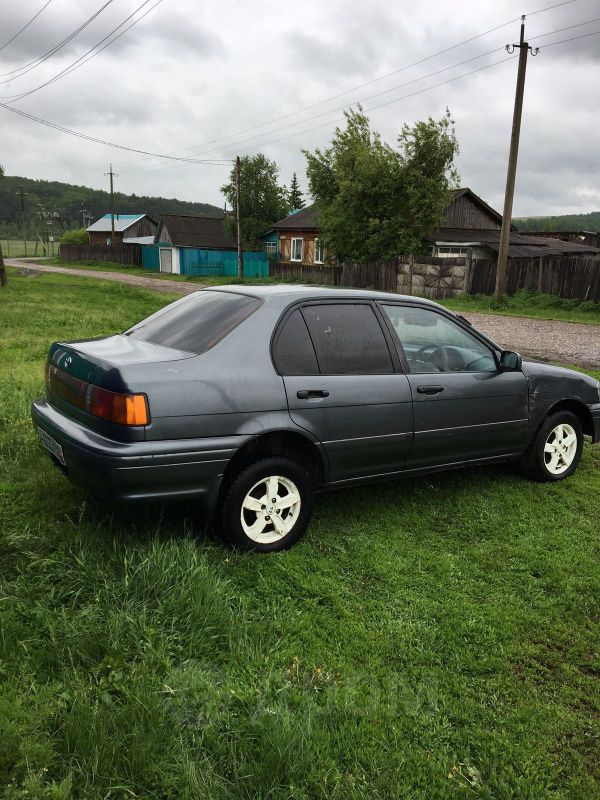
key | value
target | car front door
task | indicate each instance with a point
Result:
(465, 408)
(344, 384)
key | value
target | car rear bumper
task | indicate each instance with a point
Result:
(136, 471)
(595, 412)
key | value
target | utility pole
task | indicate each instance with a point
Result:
(112, 175)
(238, 214)
(524, 49)
(21, 194)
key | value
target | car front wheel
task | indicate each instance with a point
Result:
(555, 451)
(267, 506)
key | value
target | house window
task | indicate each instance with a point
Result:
(319, 252)
(296, 250)
(271, 248)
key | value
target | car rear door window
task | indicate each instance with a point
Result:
(197, 322)
(294, 352)
(348, 339)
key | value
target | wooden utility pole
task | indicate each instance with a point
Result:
(238, 215)
(21, 195)
(524, 49)
(112, 175)
(3, 276)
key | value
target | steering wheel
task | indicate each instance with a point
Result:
(436, 350)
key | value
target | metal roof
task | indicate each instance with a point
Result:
(122, 222)
(519, 244)
(192, 231)
(305, 219)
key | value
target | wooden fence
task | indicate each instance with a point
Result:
(422, 275)
(573, 277)
(129, 254)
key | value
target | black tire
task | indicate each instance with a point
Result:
(229, 512)
(533, 461)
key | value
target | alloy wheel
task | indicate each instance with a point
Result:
(270, 509)
(560, 448)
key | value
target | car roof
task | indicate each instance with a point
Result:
(291, 292)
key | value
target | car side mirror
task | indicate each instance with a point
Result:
(510, 361)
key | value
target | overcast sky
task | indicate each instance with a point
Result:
(204, 79)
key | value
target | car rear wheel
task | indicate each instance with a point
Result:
(267, 506)
(555, 451)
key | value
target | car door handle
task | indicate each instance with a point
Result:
(430, 389)
(306, 394)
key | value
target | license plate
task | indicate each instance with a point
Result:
(53, 446)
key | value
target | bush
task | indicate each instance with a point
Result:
(75, 236)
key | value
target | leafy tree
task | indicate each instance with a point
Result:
(75, 236)
(3, 278)
(375, 201)
(295, 196)
(263, 201)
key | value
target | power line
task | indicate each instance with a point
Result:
(362, 85)
(76, 64)
(24, 28)
(25, 68)
(361, 100)
(97, 140)
(568, 28)
(572, 39)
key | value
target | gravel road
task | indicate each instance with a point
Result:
(547, 340)
(544, 339)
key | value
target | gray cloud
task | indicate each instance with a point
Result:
(190, 74)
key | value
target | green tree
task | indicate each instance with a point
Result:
(263, 201)
(3, 278)
(295, 196)
(375, 201)
(75, 236)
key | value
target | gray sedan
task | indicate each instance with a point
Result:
(251, 399)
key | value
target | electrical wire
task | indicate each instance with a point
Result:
(25, 68)
(97, 140)
(341, 108)
(357, 87)
(571, 39)
(82, 59)
(24, 28)
(568, 28)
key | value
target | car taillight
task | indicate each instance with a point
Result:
(124, 409)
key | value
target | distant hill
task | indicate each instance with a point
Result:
(66, 199)
(563, 222)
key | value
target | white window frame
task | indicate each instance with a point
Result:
(293, 240)
(271, 248)
(322, 249)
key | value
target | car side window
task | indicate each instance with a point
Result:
(294, 352)
(434, 343)
(348, 339)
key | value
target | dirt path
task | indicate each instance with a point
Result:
(544, 339)
(547, 340)
(157, 284)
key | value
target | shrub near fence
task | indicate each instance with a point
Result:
(129, 254)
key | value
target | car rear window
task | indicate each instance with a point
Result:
(195, 323)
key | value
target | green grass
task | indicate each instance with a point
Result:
(207, 280)
(428, 638)
(522, 304)
(14, 248)
(529, 304)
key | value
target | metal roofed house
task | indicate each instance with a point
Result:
(185, 244)
(127, 227)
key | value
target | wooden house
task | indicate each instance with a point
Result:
(129, 229)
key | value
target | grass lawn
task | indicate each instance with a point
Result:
(207, 280)
(428, 638)
(523, 304)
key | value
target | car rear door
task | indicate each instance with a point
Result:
(344, 384)
(465, 408)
